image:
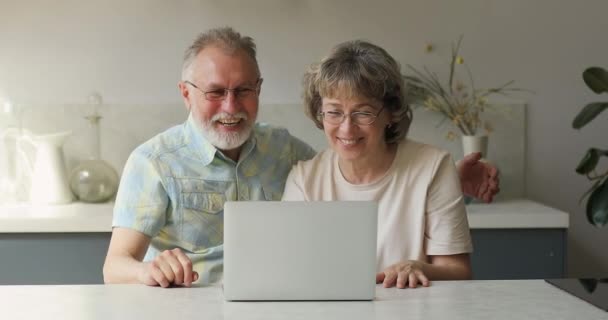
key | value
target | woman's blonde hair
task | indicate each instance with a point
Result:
(359, 69)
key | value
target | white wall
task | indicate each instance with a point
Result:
(55, 53)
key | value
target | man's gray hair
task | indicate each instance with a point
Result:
(224, 38)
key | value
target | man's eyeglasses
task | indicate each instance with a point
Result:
(357, 117)
(221, 93)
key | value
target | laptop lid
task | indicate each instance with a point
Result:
(296, 250)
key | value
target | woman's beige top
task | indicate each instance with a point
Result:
(421, 209)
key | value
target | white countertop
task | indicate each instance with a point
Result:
(513, 214)
(82, 217)
(73, 217)
(454, 300)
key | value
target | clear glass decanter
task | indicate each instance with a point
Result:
(94, 180)
(14, 178)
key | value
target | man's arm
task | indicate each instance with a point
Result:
(142, 197)
(478, 179)
(126, 251)
(124, 262)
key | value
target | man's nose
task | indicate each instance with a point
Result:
(230, 104)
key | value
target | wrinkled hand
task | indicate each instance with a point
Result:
(403, 273)
(171, 267)
(478, 179)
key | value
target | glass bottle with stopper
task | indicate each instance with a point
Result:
(93, 179)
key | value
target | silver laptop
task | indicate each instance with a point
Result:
(297, 250)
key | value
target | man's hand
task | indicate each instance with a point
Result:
(170, 267)
(403, 273)
(478, 179)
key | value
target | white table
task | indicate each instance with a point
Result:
(453, 300)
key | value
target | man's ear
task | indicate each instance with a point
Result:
(260, 86)
(185, 93)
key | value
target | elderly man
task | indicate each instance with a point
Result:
(168, 217)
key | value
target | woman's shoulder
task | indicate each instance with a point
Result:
(319, 162)
(413, 147)
(420, 154)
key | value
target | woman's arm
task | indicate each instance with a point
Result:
(411, 273)
(450, 267)
(447, 237)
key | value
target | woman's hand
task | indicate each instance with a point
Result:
(407, 273)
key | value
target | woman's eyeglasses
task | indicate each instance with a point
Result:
(357, 117)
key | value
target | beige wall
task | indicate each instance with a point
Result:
(56, 52)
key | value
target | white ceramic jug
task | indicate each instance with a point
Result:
(49, 183)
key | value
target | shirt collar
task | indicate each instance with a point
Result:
(203, 148)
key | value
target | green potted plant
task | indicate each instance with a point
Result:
(596, 79)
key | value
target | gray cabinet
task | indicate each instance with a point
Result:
(518, 253)
(77, 258)
(52, 258)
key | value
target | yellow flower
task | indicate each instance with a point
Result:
(459, 60)
(450, 136)
(461, 109)
(488, 127)
(431, 104)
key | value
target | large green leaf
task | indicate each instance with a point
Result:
(588, 284)
(589, 161)
(597, 205)
(596, 79)
(588, 113)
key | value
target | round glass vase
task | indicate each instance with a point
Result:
(94, 180)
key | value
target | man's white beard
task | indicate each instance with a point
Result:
(226, 140)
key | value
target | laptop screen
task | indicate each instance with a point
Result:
(594, 291)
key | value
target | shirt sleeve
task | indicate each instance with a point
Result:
(142, 200)
(447, 227)
(302, 151)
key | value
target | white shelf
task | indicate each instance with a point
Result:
(515, 214)
(83, 217)
(73, 217)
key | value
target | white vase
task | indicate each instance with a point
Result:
(49, 183)
(472, 144)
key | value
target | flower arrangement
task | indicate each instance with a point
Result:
(462, 104)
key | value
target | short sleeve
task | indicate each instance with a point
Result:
(142, 200)
(447, 227)
(302, 150)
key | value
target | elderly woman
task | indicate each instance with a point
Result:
(356, 96)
